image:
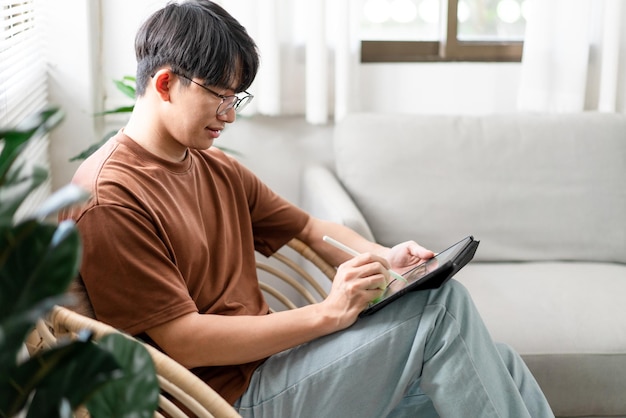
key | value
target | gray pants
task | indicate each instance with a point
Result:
(428, 354)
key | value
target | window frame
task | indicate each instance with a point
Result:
(448, 48)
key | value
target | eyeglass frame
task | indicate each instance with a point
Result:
(238, 103)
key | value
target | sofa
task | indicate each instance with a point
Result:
(546, 196)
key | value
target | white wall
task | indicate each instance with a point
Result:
(94, 45)
(74, 83)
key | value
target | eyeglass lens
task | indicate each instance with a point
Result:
(233, 102)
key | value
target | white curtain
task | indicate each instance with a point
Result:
(574, 56)
(309, 56)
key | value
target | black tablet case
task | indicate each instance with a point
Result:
(435, 278)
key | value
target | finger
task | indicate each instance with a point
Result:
(379, 294)
(368, 258)
(376, 275)
(417, 250)
(376, 282)
(366, 264)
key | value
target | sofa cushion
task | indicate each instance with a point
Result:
(529, 186)
(551, 307)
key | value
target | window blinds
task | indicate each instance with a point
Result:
(23, 81)
(22, 66)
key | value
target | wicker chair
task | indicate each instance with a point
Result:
(176, 382)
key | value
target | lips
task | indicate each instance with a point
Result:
(215, 133)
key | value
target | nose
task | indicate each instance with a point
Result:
(229, 116)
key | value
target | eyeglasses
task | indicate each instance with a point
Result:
(228, 102)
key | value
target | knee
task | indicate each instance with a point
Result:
(456, 299)
(457, 287)
(457, 291)
(505, 350)
(508, 354)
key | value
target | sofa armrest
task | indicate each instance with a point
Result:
(325, 198)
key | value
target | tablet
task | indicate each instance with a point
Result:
(430, 274)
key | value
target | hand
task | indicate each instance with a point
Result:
(358, 281)
(406, 255)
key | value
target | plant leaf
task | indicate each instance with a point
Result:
(131, 78)
(122, 109)
(93, 147)
(126, 86)
(19, 183)
(62, 198)
(37, 261)
(136, 394)
(17, 179)
(14, 330)
(72, 371)
(15, 139)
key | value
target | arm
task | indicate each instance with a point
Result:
(203, 340)
(210, 340)
(400, 257)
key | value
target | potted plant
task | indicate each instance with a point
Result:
(38, 260)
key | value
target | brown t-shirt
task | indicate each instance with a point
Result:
(163, 239)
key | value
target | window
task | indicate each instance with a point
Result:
(442, 30)
(23, 80)
(22, 67)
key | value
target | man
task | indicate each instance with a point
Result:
(169, 239)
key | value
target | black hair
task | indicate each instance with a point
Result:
(197, 39)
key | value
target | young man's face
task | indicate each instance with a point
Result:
(192, 117)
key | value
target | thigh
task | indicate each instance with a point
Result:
(361, 371)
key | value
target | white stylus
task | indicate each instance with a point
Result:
(354, 253)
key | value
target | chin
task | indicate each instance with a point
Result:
(206, 145)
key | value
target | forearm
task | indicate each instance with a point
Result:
(315, 231)
(208, 340)
(401, 256)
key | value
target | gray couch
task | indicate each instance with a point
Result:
(545, 195)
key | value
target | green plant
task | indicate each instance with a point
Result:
(127, 86)
(38, 261)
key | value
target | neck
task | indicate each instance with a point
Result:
(146, 129)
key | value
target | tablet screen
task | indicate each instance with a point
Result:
(424, 271)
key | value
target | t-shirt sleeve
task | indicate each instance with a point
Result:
(275, 221)
(127, 271)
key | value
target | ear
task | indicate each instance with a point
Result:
(162, 82)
